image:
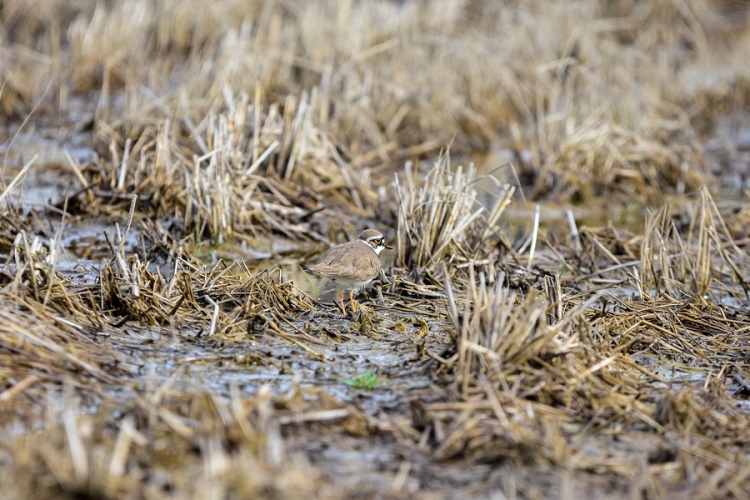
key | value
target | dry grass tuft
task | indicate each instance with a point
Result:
(186, 444)
(539, 377)
(704, 262)
(219, 301)
(261, 168)
(370, 83)
(442, 218)
(39, 349)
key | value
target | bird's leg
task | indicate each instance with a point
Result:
(341, 299)
(351, 299)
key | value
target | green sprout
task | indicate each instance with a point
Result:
(368, 380)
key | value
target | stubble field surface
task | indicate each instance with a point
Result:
(564, 313)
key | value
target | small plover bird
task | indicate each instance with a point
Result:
(353, 264)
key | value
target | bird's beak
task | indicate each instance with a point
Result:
(386, 245)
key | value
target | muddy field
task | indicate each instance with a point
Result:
(564, 313)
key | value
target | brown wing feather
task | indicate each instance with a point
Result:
(340, 262)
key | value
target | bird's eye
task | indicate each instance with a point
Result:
(378, 242)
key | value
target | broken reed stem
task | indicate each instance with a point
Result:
(18, 178)
(534, 235)
(451, 299)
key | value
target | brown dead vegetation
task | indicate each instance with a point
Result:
(611, 361)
